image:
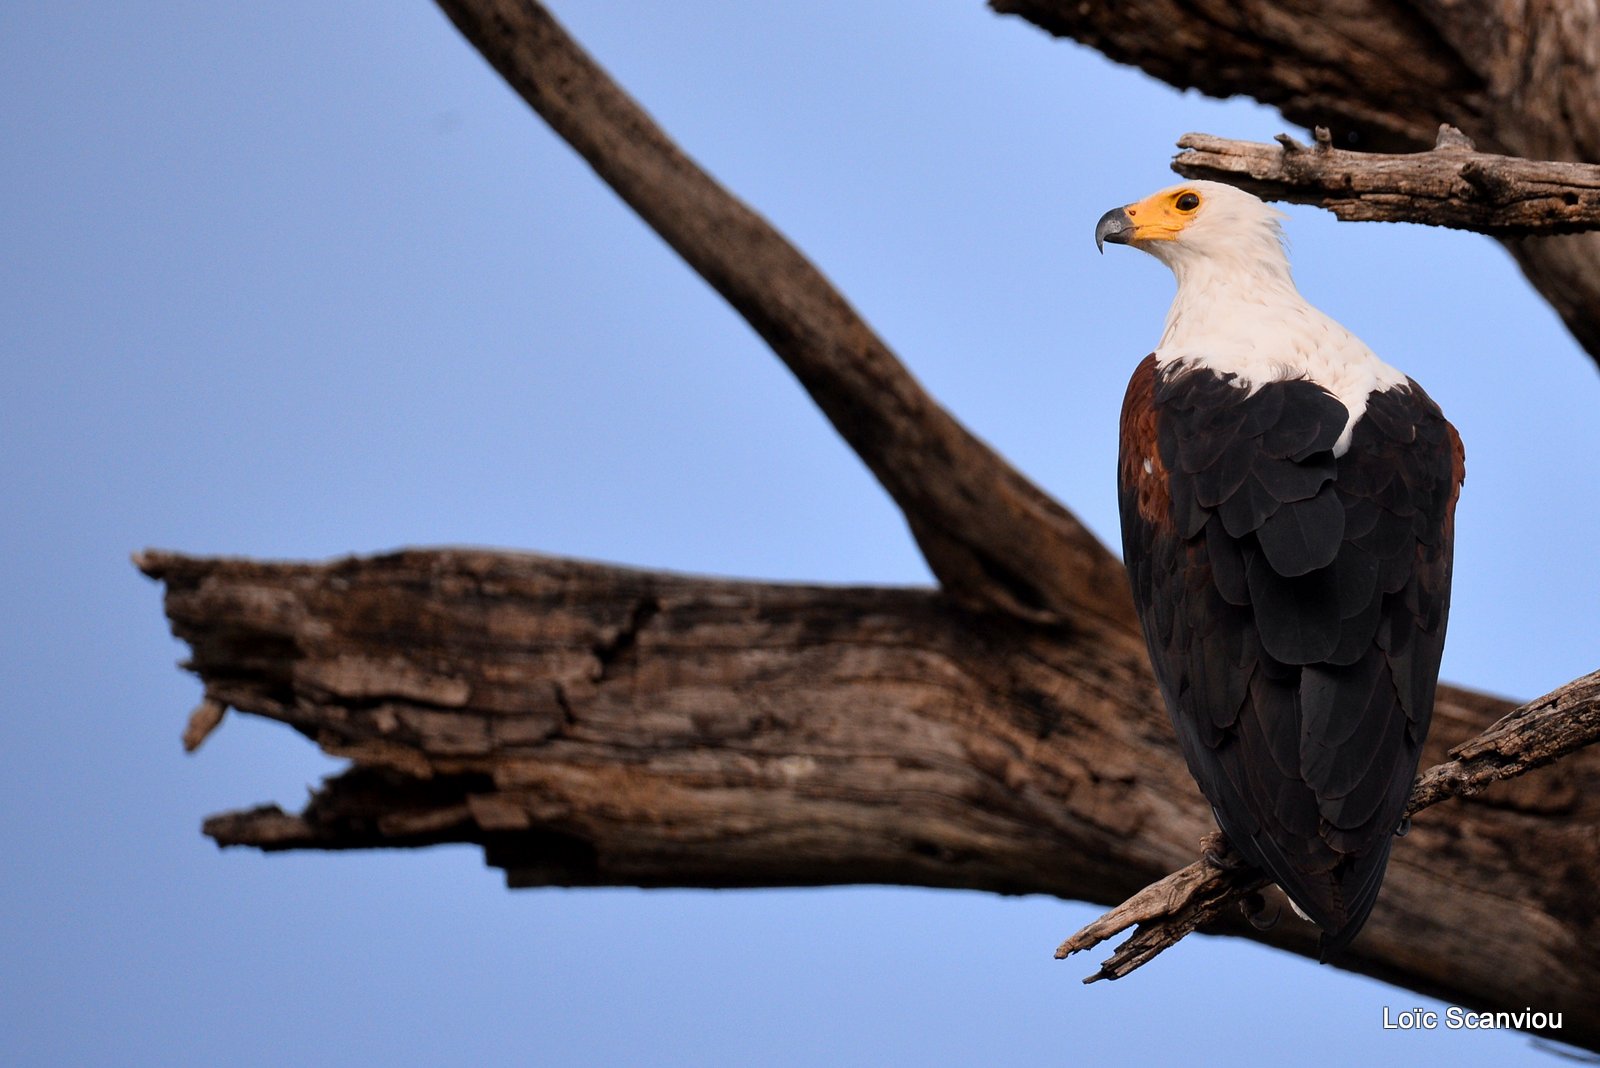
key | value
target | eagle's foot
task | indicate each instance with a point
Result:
(1404, 828)
(1261, 916)
(1219, 853)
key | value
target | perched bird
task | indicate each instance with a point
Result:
(1288, 504)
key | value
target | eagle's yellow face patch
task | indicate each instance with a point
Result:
(1163, 216)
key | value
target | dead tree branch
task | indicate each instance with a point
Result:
(1517, 77)
(993, 539)
(593, 725)
(1532, 736)
(590, 725)
(1449, 185)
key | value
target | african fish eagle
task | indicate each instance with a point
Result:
(1287, 503)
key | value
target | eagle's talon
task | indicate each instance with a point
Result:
(1219, 852)
(1256, 910)
(1223, 859)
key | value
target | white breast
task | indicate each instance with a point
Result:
(1271, 335)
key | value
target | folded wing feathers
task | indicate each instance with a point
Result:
(1294, 603)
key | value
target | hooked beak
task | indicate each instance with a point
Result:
(1114, 226)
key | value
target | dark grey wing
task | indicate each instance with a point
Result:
(1294, 603)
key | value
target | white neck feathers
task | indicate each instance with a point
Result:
(1238, 312)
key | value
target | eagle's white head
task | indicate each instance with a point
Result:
(1237, 310)
(1197, 225)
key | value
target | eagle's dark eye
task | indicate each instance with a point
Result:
(1188, 202)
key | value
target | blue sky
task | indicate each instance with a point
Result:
(295, 280)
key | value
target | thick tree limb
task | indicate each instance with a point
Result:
(1517, 76)
(993, 539)
(597, 726)
(591, 725)
(1449, 185)
(1532, 736)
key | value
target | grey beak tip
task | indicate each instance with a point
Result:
(1114, 226)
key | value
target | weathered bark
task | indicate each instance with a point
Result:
(590, 725)
(1450, 185)
(676, 731)
(1517, 76)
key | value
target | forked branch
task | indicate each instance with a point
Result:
(1451, 184)
(1529, 737)
(994, 540)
